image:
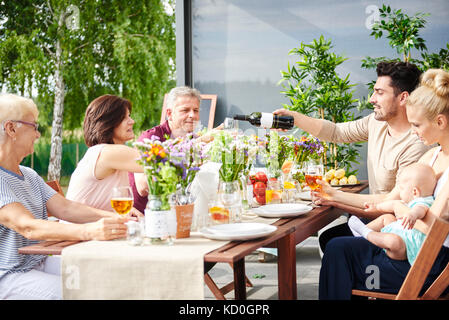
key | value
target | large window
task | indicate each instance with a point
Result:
(240, 46)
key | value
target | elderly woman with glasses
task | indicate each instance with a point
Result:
(25, 202)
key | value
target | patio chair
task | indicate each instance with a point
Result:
(414, 281)
(220, 293)
(54, 184)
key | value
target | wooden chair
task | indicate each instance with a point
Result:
(220, 293)
(209, 108)
(414, 281)
(54, 184)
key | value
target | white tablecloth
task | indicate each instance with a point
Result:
(118, 270)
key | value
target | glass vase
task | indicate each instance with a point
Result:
(229, 195)
(157, 222)
(246, 190)
(297, 175)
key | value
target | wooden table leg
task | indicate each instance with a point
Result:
(239, 280)
(287, 268)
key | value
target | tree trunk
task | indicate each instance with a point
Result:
(54, 167)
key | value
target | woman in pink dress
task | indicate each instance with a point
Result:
(107, 127)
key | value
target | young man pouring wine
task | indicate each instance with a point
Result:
(391, 142)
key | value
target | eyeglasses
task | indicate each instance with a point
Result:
(35, 125)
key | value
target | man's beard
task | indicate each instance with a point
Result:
(384, 117)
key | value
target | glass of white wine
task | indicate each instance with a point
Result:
(122, 200)
(315, 171)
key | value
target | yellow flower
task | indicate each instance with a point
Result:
(155, 150)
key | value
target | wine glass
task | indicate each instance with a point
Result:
(314, 172)
(230, 125)
(122, 200)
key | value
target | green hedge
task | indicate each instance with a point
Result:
(41, 158)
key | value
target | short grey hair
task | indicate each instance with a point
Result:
(177, 92)
(14, 107)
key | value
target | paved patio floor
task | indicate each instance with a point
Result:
(263, 275)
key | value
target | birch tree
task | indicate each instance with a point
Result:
(66, 53)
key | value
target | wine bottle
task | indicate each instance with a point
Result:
(267, 120)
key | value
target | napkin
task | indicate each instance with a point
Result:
(204, 187)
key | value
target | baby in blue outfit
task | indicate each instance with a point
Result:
(394, 230)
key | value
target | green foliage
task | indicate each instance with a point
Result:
(99, 47)
(438, 60)
(402, 31)
(314, 87)
(40, 158)
(123, 48)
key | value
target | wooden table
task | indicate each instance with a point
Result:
(290, 232)
(303, 227)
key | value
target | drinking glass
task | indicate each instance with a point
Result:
(314, 172)
(135, 232)
(122, 200)
(230, 125)
(273, 193)
(230, 197)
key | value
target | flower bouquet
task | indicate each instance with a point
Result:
(277, 149)
(304, 149)
(187, 155)
(169, 166)
(236, 154)
(161, 173)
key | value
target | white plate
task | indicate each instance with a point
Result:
(282, 210)
(238, 231)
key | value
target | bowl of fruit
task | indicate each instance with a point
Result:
(337, 178)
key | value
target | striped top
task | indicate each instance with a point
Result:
(33, 193)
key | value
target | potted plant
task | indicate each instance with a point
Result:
(403, 30)
(314, 88)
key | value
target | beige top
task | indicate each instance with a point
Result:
(84, 187)
(386, 154)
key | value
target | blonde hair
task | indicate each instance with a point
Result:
(432, 95)
(14, 107)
